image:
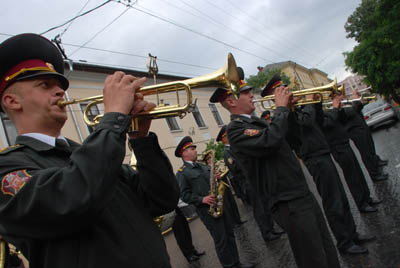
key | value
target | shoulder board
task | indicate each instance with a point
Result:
(10, 148)
(181, 168)
(238, 119)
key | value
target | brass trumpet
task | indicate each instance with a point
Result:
(347, 102)
(325, 92)
(225, 77)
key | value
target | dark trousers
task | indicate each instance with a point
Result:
(334, 200)
(344, 155)
(308, 234)
(221, 231)
(367, 151)
(231, 208)
(182, 233)
(262, 213)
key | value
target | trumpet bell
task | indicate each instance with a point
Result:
(324, 92)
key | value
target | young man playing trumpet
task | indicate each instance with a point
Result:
(68, 205)
(276, 176)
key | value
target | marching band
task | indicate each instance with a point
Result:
(79, 205)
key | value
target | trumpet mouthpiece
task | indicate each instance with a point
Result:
(61, 103)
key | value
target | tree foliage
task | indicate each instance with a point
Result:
(375, 25)
(263, 77)
(217, 146)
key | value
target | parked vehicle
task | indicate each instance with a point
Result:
(378, 112)
(396, 108)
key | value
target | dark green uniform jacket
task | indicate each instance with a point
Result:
(86, 209)
(194, 183)
(236, 176)
(266, 158)
(333, 127)
(314, 142)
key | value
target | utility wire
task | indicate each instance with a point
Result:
(198, 33)
(262, 34)
(247, 38)
(70, 20)
(139, 56)
(134, 55)
(293, 45)
(94, 36)
(69, 25)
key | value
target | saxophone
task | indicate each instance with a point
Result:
(217, 187)
(2, 253)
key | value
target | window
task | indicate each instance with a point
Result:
(94, 110)
(9, 129)
(216, 114)
(198, 118)
(172, 123)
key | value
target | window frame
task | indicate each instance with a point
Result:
(216, 114)
(6, 137)
(196, 111)
(82, 106)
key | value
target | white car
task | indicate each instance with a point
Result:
(378, 112)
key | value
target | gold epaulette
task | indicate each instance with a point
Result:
(11, 148)
(181, 168)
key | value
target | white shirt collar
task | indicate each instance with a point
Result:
(246, 115)
(50, 140)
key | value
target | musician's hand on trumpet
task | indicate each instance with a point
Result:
(337, 101)
(355, 94)
(140, 105)
(283, 97)
(121, 95)
(119, 92)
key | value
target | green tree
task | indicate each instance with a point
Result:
(218, 147)
(375, 25)
(262, 78)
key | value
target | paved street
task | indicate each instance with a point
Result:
(385, 224)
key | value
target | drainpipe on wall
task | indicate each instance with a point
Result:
(71, 68)
(297, 75)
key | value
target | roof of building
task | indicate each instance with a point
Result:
(282, 64)
(103, 69)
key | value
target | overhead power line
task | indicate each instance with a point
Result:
(140, 56)
(74, 18)
(281, 37)
(216, 22)
(198, 33)
(69, 25)
(96, 34)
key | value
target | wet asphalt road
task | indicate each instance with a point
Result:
(384, 252)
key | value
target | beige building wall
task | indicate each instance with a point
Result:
(300, 76)
(353, 82)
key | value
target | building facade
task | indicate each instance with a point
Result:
(300, 76)
(353, 82)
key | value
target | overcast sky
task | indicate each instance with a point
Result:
(191, 37)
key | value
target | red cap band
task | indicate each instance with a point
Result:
(277, 84)
(23, 67)
(187, 145)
